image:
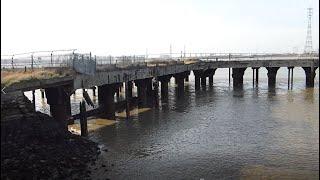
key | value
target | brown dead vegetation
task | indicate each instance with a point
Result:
(12, 76)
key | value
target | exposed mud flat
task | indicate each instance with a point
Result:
(95, 123)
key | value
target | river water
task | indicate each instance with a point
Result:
(217, 133)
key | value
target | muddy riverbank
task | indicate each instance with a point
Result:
(34, 146)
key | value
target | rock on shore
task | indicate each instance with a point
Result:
(34, 146)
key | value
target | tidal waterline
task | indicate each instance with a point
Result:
(217, 133)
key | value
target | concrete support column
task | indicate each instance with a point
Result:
(164, 80)
(130, 85)
(106, 99)
(179, 78)
(94, 90)
(272, 73)
(255, 76)
(211, 80)
(237, 76)
(290, 77)
(210, 73)
(155, 85)
(187, 79)
(34, 99)
(118, 92)
(187, 73)
(229, 70)
(128, 98)
(310, 75)
(149, 88)
(120, 87)
(197, 76)
(100, 95)
(42, 93)
(59, 101)
(142, 91)
(203, 81)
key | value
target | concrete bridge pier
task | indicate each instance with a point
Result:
(118, 90)
(255, 76)
(272, 74)
(197, 76)
(164, 80)
(310, 75)
(94, 90)
(34, 100)
(290, 79)
(229, 71)
(203, 81)
(149, 86)
(142, 91)
(130, 86)
(106, 99)
(211, 80)
(155, 85)
(149, 91)
(179, 78)
(42, 93)
(210, 73)
(100, 96)
(187, 76)
(187, 79)
(59, 100)
(237, 76)
(128, 98)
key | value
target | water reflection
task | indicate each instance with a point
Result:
(309, 95)
(217, 133)
(271, 92)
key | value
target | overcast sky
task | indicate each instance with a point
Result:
(123, 27)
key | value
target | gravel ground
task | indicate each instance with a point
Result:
(34, 146)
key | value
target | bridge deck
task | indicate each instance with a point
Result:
(116, 74)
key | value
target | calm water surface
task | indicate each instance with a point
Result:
(217, 133)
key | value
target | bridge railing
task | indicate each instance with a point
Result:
(92, 62)
(37, 61)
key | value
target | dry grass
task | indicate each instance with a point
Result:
(9, 77)
(191, 61)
